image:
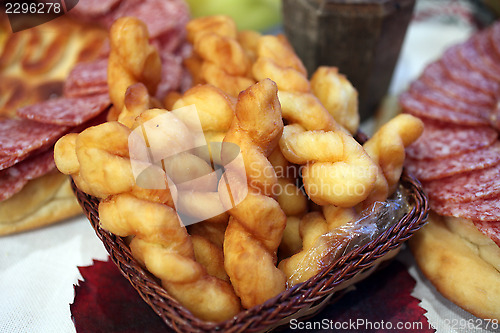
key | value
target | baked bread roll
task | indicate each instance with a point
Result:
(461, 262)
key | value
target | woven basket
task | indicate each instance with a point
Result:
(302, 300)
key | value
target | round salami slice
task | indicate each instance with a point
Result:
(465, 187)
(474, 59)
(427, 94)
(443, 140)
(66, 111)
(495, 38)
(494, 117)
(93, 8)
(160, 16)
(490, 229)
(420, 109)
(19, 137)
(171, 75)
(480, 210)
(457, 70)
(482, 42)
(435, 76)
(13, 179)
(7, 161)
(426, 170)
(87, 78)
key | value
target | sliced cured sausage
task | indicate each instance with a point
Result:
(21, 136)
(457, 70)
(443, 140)
(13, 179)
(474, 59)
(425, 93)
(70, 111)
(444, 167)
(87, 78)
(435, 76)
(464, 187)
(420, 109)
(480, 210)
(93, 8)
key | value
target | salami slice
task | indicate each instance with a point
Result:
(495, 38)
(426, 170)
(490, 229)
(420, 109)
(435, 76)
(482, 42)
(171, 75)
(474, 60)
(457, 70)
(160, 16)
(88, 78)
(94, 8)
(443, 140)
(66, 111)
(427, 94)
(13, 179)
(480, 210)
(19, 137)
(465, 187)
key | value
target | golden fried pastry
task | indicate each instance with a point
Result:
(257, 222)
(291, 242)
(136, 101)
(249, 40)
(218, 24)
(277, 60)
(337, 95)
(318, 244)
(224, 52)
(163, 246)
(193, 64)
(132, 59)
(218, 57)
(213, 231)
(306, 110)
(452, 252)
(336, 170)
(160, 241)
(210, 257)
(387, 146)
(291, 199)
(215, 108)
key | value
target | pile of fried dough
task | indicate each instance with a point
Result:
(265, 164)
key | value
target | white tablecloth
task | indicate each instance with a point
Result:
(39, 268)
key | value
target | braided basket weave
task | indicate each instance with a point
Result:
(302, 300)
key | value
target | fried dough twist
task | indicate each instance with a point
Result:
(387, 146)
(163, 246)
(257, 222)
(336, 169)
(218, 57)
(100, 157)
(338, 96)
(132, 59)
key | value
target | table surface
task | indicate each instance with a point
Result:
(38, 269)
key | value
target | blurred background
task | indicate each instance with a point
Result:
(265, 15)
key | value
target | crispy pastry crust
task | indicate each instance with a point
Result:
(41, 202)
(461, 262)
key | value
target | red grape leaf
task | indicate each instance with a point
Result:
(106, 302)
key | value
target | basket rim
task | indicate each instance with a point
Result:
(300, 297)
